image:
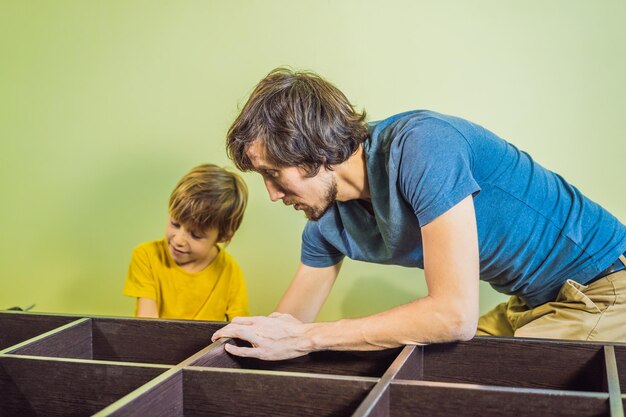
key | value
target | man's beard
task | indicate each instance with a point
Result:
(315, 213)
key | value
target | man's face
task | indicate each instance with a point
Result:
(313, 195)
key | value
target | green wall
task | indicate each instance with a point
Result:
(105, 104)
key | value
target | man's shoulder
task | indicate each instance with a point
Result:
(412, 126)
(420, 117)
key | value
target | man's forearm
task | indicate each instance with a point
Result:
(307, 292)
(281, 336)
(422, 321)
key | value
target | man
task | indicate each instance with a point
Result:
(425, 190)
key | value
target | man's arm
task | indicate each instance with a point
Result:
(308, 291)
(449, 312)
(147, 307)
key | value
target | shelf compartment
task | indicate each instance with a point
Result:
(197, 391)
(38, 386)
(523, 363)
(443, 399)
(236, 393)
(17, 327)
(620, 357)
(126, 340)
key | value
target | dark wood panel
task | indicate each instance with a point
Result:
(216, 356)
(620, 357)
(16, 327)
(612, 379)
(382, 408)
(150, 341)
(58, 388)
(231, 393)
(164, 399)
(518, 363)
(410, 399)
(377, 401)
(372, 364)
(74, 341)
(336, 383)
(413, 366)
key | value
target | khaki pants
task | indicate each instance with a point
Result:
(594, 312)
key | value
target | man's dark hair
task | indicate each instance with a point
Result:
(301, 119)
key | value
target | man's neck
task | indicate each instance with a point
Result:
(351, 177)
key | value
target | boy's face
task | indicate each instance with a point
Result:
(191, 250)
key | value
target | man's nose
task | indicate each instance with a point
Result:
(275, 192)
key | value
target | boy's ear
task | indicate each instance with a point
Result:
(225, 238)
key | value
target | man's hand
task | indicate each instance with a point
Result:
(275, 337)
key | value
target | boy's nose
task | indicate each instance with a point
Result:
(178, 239)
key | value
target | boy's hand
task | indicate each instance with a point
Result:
(275, 337)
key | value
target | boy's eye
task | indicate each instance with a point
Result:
(197, 236)
(174, 224)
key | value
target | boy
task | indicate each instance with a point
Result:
(186, 275)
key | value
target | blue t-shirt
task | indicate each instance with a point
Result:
(535, 230)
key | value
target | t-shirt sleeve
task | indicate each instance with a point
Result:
(237, 294)
(317, 251)
(140, 280)
(435, 170)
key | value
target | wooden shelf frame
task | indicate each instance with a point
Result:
(109, 366)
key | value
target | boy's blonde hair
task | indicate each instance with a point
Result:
(210, 196)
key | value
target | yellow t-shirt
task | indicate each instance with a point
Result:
(216, 293)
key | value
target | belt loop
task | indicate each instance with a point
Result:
(623, 259)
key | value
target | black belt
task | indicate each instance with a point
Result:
(614, 267)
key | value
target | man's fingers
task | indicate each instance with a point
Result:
(244, 321)
(272, 338)
(228, 331)
(242, 351)
(284, 316)
(237, 332)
